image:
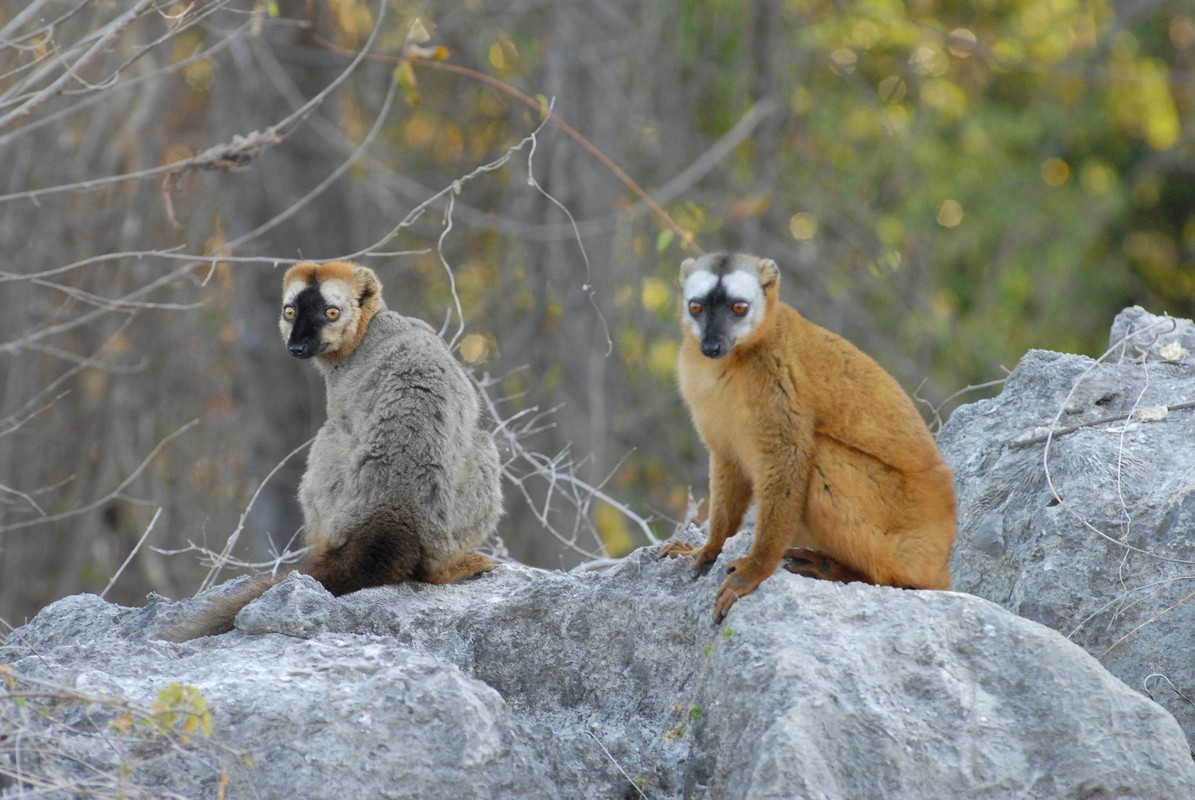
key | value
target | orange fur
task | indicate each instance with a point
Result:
(830, 448)
(354, 278)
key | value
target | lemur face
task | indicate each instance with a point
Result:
(325, 308)
(725, 298)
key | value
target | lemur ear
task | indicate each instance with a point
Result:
(769, 273)
(686, 268)
(368, 285)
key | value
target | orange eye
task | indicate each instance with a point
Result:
(332, 312)
(739, 308)
(288, 312)
(695, 308)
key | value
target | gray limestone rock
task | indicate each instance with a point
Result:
(526, 684)
(1076, 496)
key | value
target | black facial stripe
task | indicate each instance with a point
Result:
(715, 308)
(720, 299)
(717, 296)
(718, 320)
(722, 266)
(309, 314)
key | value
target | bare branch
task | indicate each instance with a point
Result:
(133, 552)
(221, 561)
(115, 494)
(109, 35)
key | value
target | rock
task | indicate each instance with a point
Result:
(1138, 335)
(525, 683)
(1093, 532)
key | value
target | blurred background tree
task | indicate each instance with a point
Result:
(947, 184)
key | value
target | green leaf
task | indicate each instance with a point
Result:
(663, 240)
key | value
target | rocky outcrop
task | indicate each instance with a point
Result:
(527, 684)
(1076, 495)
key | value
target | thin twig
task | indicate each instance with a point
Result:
(1016, 444)
(115, 494)
(230, 543)
(140, 542)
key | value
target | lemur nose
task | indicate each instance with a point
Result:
(711, 349)
(297, 350)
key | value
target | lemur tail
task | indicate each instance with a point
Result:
(217, 614)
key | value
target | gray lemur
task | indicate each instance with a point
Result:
(402, 480)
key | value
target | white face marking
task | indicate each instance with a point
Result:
(699, 285)
(292, 291)
(740, 285)
(745, 286)
(333, 293)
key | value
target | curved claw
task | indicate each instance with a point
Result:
(702, 558)
(814, 564)
(677, 548)
(744, 578)
(703, 563)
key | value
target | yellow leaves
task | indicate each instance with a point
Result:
(503, 55)
(182, 710)
(802, 226)
(1054, 172)
(1139, 97)
(749, 207)
(613, 529)
(929, 61)
(844, 60)
(198, 75)
(945, 97)
(891, 231)
(661, 358)
(440, 138)
(262, 10)
(1161, 121)
(657, 295)
(961, 42)
(404, 73)
(950, 213)
(892, 89)
(351, 18)
(477, 347)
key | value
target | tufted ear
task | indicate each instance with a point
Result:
(769, 273)
(368, 285)
(686, 268)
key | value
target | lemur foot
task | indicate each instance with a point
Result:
(457, 567)
(703, 559)
(815, 564)
(746, 574)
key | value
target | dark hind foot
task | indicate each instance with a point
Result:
(813, 564)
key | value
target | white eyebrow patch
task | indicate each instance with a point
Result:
(292, 290)
(742, 286)
(336, 293)
(700, 284)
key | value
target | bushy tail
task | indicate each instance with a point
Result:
(217, 614)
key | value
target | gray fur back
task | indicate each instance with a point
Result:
(403, 431)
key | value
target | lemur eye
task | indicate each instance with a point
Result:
(288, 311)
(695, 308)
(739, 308)
(332, 312)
